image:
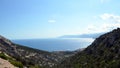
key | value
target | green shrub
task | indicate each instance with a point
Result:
(36, 66)
(3, 56)
(16, 63)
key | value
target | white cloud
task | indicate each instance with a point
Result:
(110, 17)
(107, 23)
(51, 21)
(102, 28)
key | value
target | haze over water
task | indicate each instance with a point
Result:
(56, 44)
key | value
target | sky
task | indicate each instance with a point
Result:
(27, 19)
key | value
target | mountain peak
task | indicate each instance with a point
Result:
(116, 31)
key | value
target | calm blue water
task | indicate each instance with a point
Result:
(56, 44)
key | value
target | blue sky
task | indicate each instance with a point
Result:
(24, 19)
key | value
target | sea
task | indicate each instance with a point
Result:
(56, 44)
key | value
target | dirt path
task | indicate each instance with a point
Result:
(5, 64)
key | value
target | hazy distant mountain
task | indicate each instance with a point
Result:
(104, 52)
(93, 35)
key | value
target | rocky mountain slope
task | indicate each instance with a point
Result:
(104, 52)
(26, 56)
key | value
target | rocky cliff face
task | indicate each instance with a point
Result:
(104, 52)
